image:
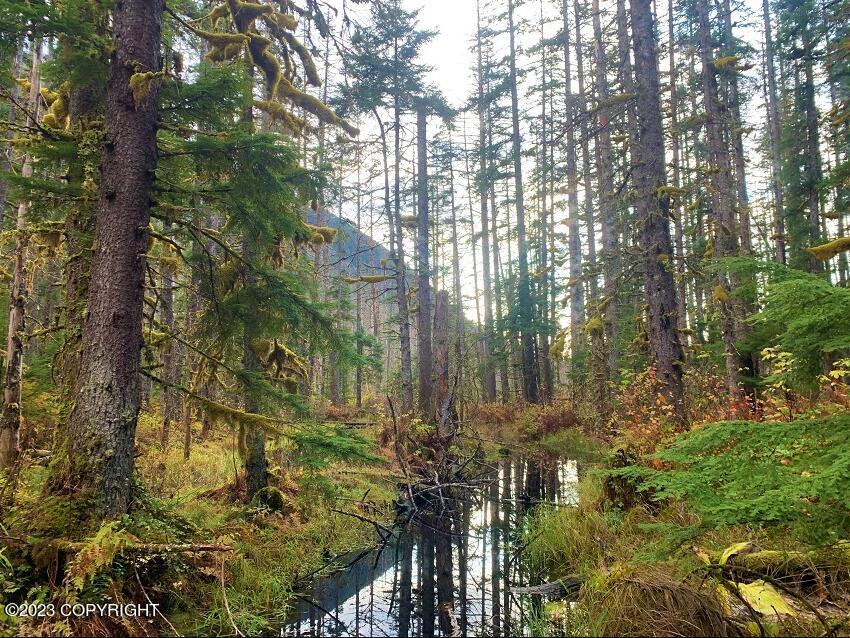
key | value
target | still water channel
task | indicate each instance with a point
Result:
(471, 555)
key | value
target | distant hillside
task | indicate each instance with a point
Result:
(352, 248)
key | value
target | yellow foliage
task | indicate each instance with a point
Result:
(831, 249)
(314, 106)
(285, 20)
(57, 116)
(143, 83)
(595, 325)
(671, 191)
(48, 96)
(556, 350)
(221, 11)
(720, 294)
(48, 237)
(327, 232)
(279, 113)
(230, 52)
(310, 71)
(221, 40)
(246, 12)
(725, 61)
(374, 279)
(765, 599)
(613, 100)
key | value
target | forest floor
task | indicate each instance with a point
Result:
(662, 549)
(646, 539)
(319, 513)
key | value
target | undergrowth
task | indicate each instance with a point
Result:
(773, 493)
(253, 586)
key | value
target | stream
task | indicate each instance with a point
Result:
(471, 556)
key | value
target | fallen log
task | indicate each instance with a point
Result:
(835, 558)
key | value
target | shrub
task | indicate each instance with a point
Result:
(795, 474)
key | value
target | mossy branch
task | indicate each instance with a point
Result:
(831, 249)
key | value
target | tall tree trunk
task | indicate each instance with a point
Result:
(593, 287)
(813, 170)
(482, 336)
(423, 332)
(780, 254)
(85, 110)
(8, 151)
(608, 216)
(458, 297)
(723, 210)
(401, 276)
(442, 398)
(676, 202)
(483, 179)
(12, 414)
(98, 463)
(504, 378)
(358, 301)
(652, 212)
(171, 354)
(529, 359)
(545, 268)
(737, 137)
(576, 286)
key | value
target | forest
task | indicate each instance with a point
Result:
(472, 318)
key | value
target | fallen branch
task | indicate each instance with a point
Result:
(381, 529)
(151, 548)
(556, 589)
(226, 603)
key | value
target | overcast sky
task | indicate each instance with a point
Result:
(449, 53)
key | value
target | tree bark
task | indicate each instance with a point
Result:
(677, 211)
(529, 363)
(576, 285)
(85, 109)
(98, 463)
(8, 152)
(423, 332)
(593, 288)
(546, 268)
(483, 178)
(608, 215)
(456, 285)
(171, 354)
(780, 253)
(652, 212)
(12, 413)
(723, 211)
(401, 278)
(813, 169)
(443, 416)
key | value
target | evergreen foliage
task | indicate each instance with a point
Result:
(740, 472)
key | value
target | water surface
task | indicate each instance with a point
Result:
(470, 554)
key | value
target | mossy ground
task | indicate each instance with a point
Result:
(644, 575)
(275, 552)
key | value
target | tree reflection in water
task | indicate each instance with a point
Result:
(448, 571)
